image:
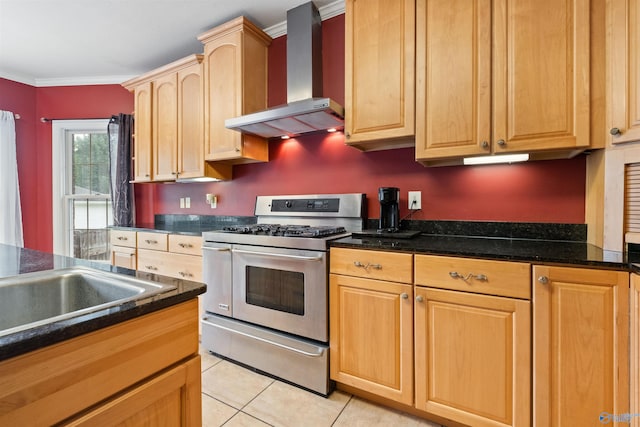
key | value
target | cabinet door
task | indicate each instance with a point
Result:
(473, 357)
(235, 64)
(172, 398)
(190, 122)
(453, 63)
(372, 336)
(142, 140)
(379, 73)
(580, 345)
(122, 256)
(624, 69)
(541, 77)
(165, 128)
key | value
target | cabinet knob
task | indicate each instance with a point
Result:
(485, 144)
(404, 295)
(543, 279)
(502, 143)
(615, 131)
(419, 298)
(347, 134)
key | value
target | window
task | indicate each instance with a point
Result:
(81, 189)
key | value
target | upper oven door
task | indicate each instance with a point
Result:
(283, 289)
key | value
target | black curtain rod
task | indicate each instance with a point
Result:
(45, 120)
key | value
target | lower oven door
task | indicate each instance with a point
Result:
(283, 289)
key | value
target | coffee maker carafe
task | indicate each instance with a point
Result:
(389, 198)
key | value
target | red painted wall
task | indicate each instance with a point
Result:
(545, 191)
(34, 141)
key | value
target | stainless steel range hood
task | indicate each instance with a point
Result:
(306, 110)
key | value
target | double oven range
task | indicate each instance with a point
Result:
(267, 299)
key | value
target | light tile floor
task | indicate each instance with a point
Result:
(233, 396)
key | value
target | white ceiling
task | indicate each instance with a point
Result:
(75, 42)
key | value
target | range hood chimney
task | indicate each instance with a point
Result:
(306, 110)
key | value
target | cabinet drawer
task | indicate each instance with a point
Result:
(122, 256)
(181, 266)
(156, 241)
(510, 279)
(391, 266)
(123, 238)
(191, 245)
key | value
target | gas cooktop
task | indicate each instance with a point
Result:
(285, 230)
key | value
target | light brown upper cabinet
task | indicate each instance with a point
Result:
(235, 83)
(169, 142)
(623, 21)
(502, 76)
(379, 73)
(143, 95)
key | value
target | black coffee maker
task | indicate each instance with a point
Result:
(389, 198)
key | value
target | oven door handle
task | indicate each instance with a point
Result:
(272, 255)
(209, 248)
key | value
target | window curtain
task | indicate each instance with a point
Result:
(120, 131)
(10, 209)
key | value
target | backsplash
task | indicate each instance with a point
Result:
(513, 230)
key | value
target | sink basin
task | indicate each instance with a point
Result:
(39, 298)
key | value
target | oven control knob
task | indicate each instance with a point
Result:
(288, 203)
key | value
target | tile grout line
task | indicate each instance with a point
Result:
(342, 410)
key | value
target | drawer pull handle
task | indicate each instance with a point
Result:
(151, 242)
(367, 266)
(150, 267)
(479, 277)
(185, 274)
(122, 238)
(185, 245)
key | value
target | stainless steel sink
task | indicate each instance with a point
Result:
(35, 299)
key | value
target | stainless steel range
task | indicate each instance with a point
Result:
(267, 285)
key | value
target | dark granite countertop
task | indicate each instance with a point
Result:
(529, 250)
(15, 261)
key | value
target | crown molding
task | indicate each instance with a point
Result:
(83, 81)
(328, 11)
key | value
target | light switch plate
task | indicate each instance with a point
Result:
(187, 202)
(181, 202)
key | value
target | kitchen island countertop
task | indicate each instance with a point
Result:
(15, 261)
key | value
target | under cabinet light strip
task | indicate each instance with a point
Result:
(501, 158)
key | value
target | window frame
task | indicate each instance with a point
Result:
(62, 173)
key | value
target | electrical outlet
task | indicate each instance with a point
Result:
(181, 202)
(187, 202)
(415, 200)
(212, 200)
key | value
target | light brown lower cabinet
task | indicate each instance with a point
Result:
(145, 371)
(473, 357)
(123, 248)
(580, 346)
(372, 336)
